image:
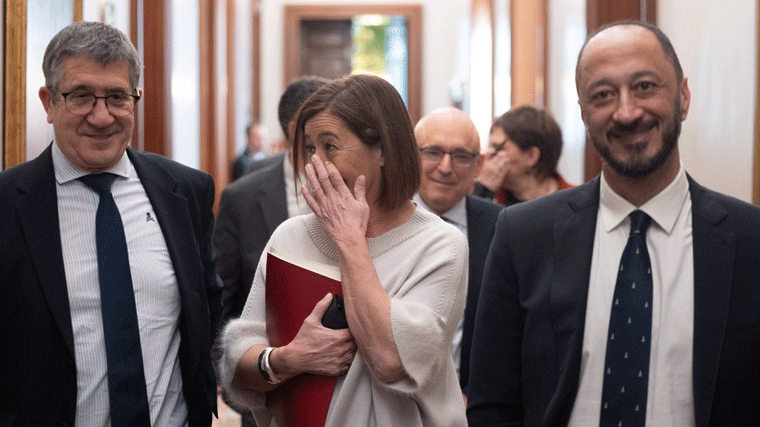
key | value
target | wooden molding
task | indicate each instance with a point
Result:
(256, 62)
(529, 52)
(207, 77)
(15, 83)
(756, 154)
(156, 97)
(294, 14)
(78, 10)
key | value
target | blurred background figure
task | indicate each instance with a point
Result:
(521, 161)
(450, 152)
(402, 273)
(257, 137)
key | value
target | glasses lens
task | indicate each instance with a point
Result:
(462, 160)
(431, 155)
(120, 104)
(80, 102)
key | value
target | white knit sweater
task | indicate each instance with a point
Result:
(422, 266)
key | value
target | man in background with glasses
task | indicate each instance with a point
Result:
(450, 153)
(108, 297)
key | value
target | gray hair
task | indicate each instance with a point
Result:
(92, 40)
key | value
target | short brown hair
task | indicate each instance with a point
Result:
(528, 127)
(371, 109)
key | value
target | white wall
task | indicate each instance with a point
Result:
(185, 103)
(440, 20)
(243, 70)
(567, 22)
(717, 45)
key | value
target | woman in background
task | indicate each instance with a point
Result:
(402, 273)
(521, 160)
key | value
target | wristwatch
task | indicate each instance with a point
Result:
(266, 369)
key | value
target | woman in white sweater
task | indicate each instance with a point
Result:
(402, 273)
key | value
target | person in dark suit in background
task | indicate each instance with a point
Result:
(252, 207)
(450, 152)
(257, 138)
(573, 329)
(108, 296)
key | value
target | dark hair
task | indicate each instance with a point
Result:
(92, 40)
(667, 47)
(371, 109)
(528, 127)
(295, 94)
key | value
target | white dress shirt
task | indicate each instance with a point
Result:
(670, 399)
(156, 291)
(457, 216)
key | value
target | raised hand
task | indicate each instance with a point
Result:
(342, 214)
(495, 168)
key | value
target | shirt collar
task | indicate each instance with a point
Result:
(456, 215)
(65, 171)
(664, 208)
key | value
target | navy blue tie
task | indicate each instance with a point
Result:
(626, 365)
(127, 391)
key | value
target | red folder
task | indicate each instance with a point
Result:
(293, 288)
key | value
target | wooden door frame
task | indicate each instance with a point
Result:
(14, 100)
(294, 14)
(756, 154)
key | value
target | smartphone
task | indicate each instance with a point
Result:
(335, 316)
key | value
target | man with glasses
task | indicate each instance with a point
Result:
(450, 153)
(108, 297)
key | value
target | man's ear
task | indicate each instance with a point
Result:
(47, 102)
(685, 95)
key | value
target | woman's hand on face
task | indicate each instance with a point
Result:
(317, 349)
(494, 170)
(341, 213)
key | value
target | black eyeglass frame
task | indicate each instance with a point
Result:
(95, 101)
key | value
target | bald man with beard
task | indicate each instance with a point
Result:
(642, 238)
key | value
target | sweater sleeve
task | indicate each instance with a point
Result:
(427, 308)
(240, 335)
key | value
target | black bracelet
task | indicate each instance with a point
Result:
(263, 372)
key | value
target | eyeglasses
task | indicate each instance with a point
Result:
(82, 103)
(461, 159)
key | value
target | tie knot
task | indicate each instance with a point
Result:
(99, 182)
(639, 222)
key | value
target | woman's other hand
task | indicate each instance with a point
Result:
(315, 348)
(342, 214)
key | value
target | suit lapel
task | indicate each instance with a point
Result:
(38, 214)
(574, 228)
(714, 251)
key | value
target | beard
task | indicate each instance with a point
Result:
(639, 166)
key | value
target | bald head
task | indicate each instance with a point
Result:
(451, 157)
(448, 121)
(632, 27)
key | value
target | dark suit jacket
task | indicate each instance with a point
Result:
(531, 314)
(481, 223)
(38, 380)
(249, 211)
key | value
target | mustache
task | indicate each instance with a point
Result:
(639, 125)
